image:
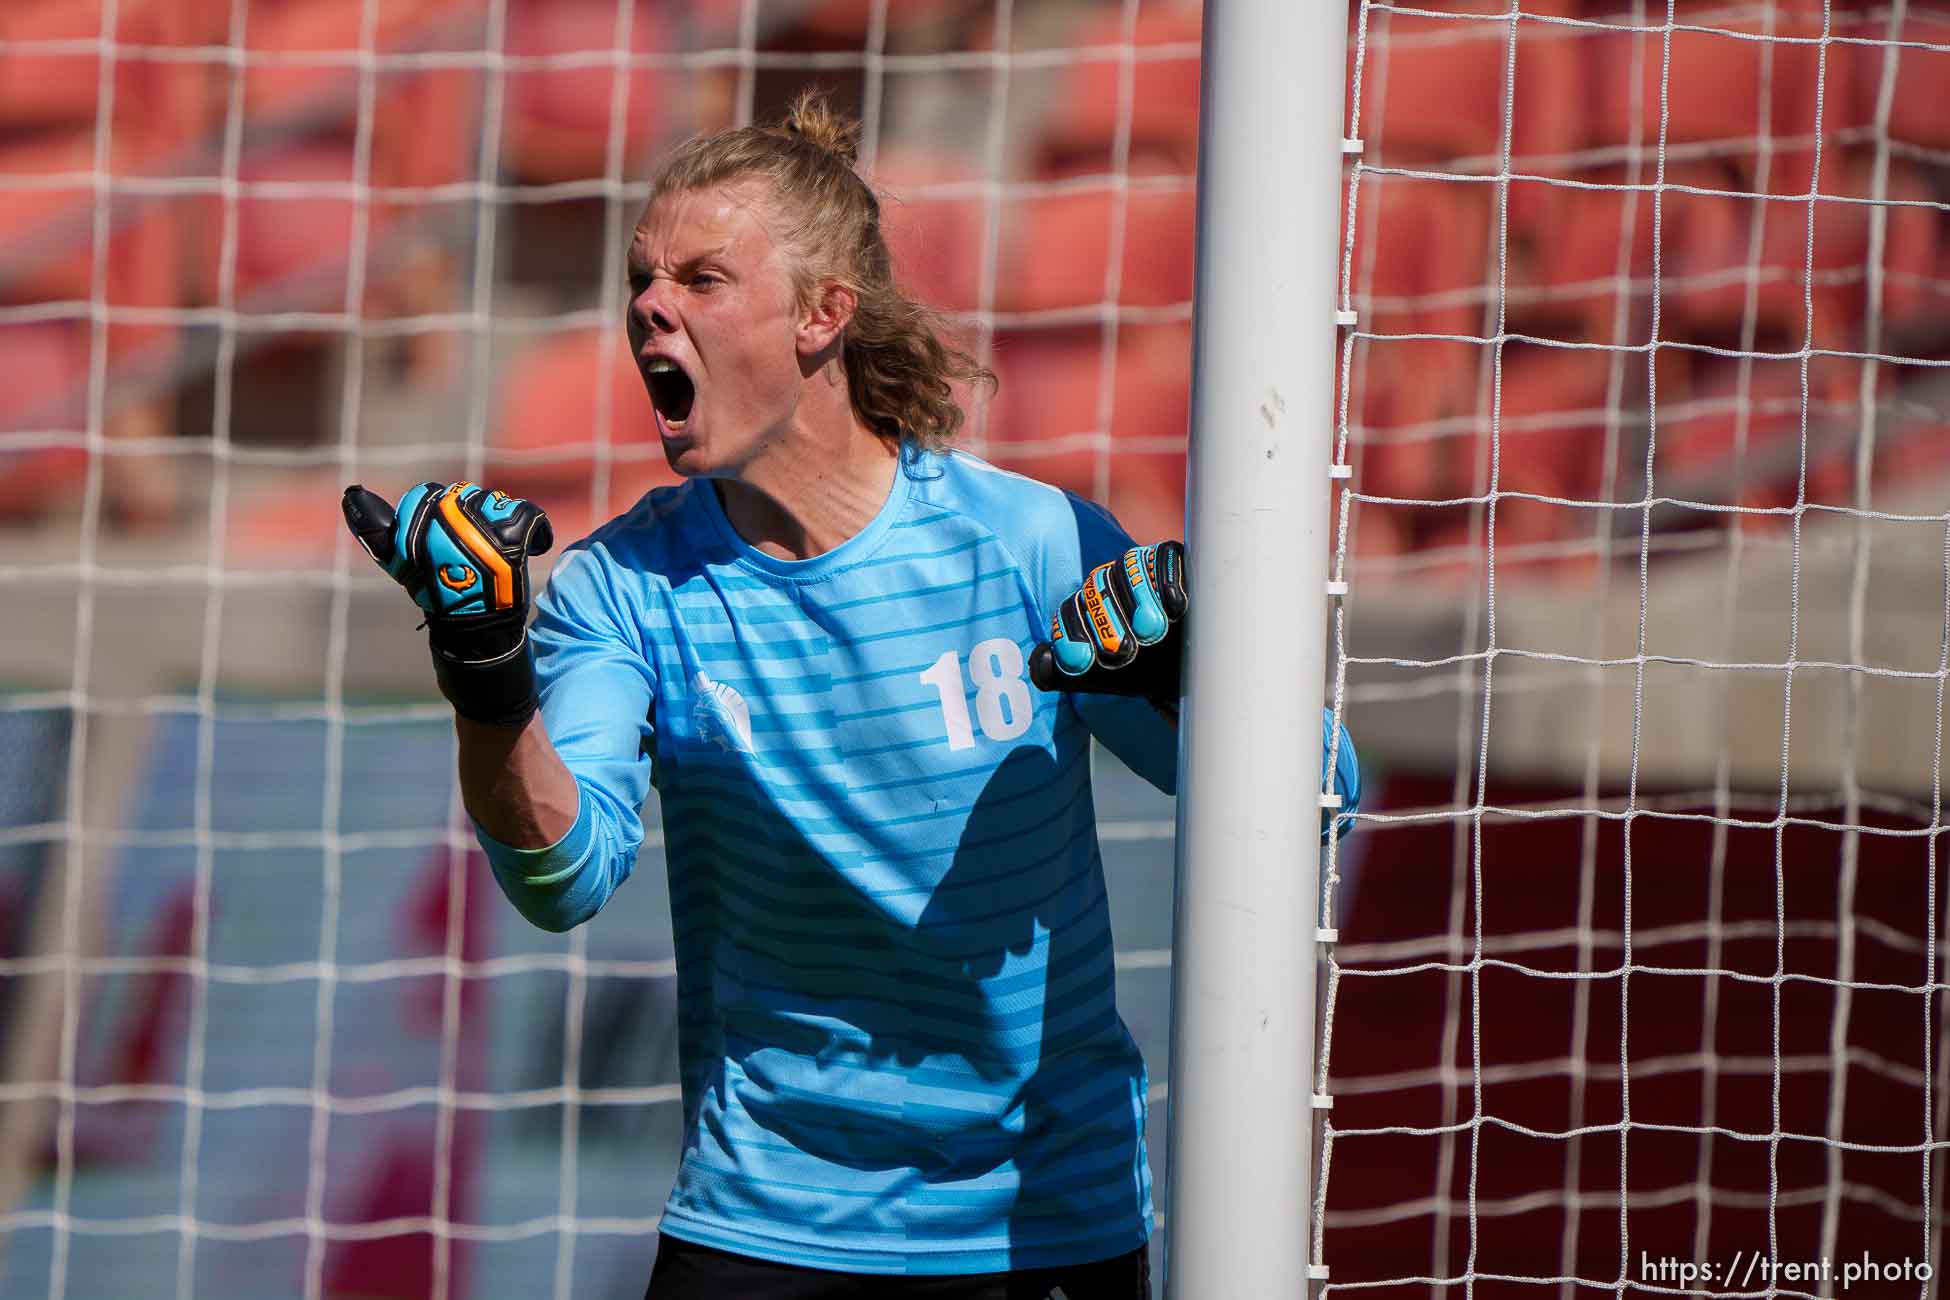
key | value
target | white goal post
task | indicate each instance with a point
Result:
(1257, 534)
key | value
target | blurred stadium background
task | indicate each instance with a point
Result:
(1643, 644)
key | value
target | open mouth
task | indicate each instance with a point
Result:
(671, 390)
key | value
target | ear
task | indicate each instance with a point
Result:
(825, 317)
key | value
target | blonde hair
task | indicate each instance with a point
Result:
(900, 367)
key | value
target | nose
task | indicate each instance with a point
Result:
(650, 310)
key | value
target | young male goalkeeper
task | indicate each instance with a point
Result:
(902, 1065)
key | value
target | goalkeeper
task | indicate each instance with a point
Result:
(831, 650)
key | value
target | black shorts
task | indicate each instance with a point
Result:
(687, 1271)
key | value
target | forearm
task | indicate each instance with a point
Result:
(514, 784)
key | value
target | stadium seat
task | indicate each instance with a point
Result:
(1579, 265)
(1914, 241)
(1702, 411)
(302, 119)
(48, 236)
(1056, 244)
(1551, 425)
(558, 118)
(43, 380)
(323, 93)
(1056, 249)
(1440, 86)
(1433, 247)
(1708, 252)
(1714, 92)
(1082, 124)
(937, 240)
(1047, 406)
(1916, 113)
(844, 24)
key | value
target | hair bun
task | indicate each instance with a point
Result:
(813, 118)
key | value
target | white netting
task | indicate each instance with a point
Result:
(1644, 406)
(1646, 368)
(269, 1027)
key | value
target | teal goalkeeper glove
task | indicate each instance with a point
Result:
(462, 552)
(1123, 632)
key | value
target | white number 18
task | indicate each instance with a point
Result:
(1001, 694)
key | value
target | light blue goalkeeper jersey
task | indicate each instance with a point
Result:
(898, 1034)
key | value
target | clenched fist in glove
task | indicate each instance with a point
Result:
(1123, 632)
(461, 551)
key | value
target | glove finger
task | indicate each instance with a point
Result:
(1072, 648)
(1135, 584)
(518, 528)
(1043, 672)
(1106, 615)
(541, 534)
(370, 517)
(1168, 578)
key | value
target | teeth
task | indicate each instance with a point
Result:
(661, 365)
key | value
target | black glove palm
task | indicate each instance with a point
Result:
(462, 552)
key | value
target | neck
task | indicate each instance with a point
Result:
(819, 482)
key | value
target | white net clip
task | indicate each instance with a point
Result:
(1327, 936)
(1340, 471)
(1335, 587)
(1323, 1102)
(1316, 1272)
(1346, 318)
(1350, 146)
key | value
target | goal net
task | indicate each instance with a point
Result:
(1637, 986)
(269, 1028)
(1643, 641)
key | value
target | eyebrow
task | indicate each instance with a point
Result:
(635, 263)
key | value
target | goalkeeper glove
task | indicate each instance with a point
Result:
(462, 552)
(1123, 632)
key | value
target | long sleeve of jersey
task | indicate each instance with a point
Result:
(596, 689)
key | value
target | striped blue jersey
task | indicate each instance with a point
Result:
(898, 1035)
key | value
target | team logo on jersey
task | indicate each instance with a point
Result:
(721, 714)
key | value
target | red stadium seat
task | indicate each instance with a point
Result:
(1916, 243)
(48, 235)
(1434, 248)
(1048, 404)
(1551, 428)
(1580, 264)
(1707, 251)
(325, 92)
(1083, 122)
(844, 24)
(1702, 411)
(421, 135)
(1056, 245)
(937, 240)
(1714, 92)
(1437, 87)
(41, 89)
(558, 118)
(43, 383)
(1056, 250)
(1916, 113)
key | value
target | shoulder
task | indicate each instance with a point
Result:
(641, 539)
(1025, 512)
(620, 562)
(1048, 530)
